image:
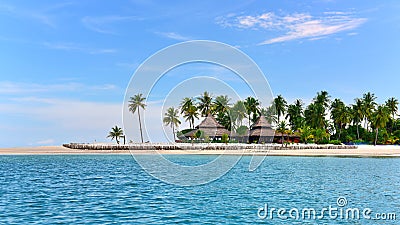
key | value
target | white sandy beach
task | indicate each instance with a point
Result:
(362, 151)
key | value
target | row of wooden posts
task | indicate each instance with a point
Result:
(147, 146)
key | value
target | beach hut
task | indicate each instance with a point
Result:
(211, 129)
(261, 131)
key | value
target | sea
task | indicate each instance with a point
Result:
(114, 189)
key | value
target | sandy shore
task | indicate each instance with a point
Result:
(362, 151)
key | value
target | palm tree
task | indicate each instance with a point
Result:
(269, 113)
(295, 114)
(314, 116)
(115, 133)
(340, 115)
(135, 103)
(190, 114)
(380, 118)
(280, 106)
(189, 110)
(239, 112)
(305, 133)
(205, 104)
(171, 118)
(221, 104)
(392, 105)
(357, 111)
(252, 108)
(322, 99)
(368, 107)
(185, 104)
(282, 129)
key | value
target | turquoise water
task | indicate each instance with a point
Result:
(113, 189)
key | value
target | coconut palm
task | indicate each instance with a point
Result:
(115, 133)
(357, 114)
(190, 114)
(269, 113)
(340, 115)
(135, 103)
(252, 109)
(379, 119)
(295, 114)
(239, 112)
(314, 116)
(189, 110)
(305, 133)
(280, 106)
(171, 118)
(392, 105)
(282, 128)
(322, 99)
(221, 104)
(368, 107)
(185, 104)
(205, 104)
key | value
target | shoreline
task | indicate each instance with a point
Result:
(361, 151)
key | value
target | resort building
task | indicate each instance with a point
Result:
(261, 131)
(211, 129)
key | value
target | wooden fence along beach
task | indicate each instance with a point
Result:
(181, 146)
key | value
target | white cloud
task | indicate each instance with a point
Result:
(68, 46)
(175, 36)
(26, 88)
(295, 26)
(104, 24)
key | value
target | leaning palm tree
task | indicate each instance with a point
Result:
(135, 103)
(392, 105)
(115, 133)
(205, 104)
(185, 104)
(171, 118)
(280, 106)
(380, 119)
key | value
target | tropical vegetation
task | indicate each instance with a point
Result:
(323, 120)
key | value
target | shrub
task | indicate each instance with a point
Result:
(335, 142)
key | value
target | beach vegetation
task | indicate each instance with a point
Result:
(135, 103)
(116, 133)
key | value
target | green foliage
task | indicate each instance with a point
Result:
(335, 142)
(242, 130)
(115, 133)
(225, 138)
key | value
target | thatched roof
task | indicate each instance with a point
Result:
(210, 127)
(261, 123)
(262, 128)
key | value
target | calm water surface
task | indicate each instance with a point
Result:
(113, 189)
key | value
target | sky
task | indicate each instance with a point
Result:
(66, 65)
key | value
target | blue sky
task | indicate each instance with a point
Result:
(65, 65)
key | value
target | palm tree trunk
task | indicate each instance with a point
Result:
(358, 133)
(376, 135)
(140, 126)
(173, 131)
(282, 139)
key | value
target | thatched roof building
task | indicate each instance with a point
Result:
(261, 131)
(210, 127)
